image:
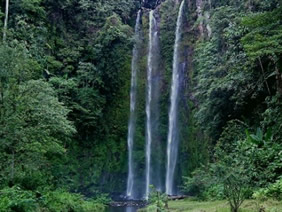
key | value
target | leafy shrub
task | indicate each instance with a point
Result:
(203, 186)
(158, 201)
(214, 192)
(197, 184)
(31, 180)
(102, 198)
(16, 199)
(64, 201)
(264, 155)
(272, 191)
(152, 208)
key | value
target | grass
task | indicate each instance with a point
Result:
(189, 205)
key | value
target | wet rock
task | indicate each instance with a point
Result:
(178, 197)
(138, 204)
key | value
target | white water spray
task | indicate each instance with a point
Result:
(172, 141)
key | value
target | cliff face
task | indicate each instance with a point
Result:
(190, 137)
(207, 45)
(210, 95)
(151, 4)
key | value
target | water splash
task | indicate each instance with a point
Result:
(172, 141)
(130, 193)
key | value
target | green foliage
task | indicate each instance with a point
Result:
(221, 78)
(16, 199)
(265, 36)
(190, 205)
(34, 124)
(201, 186)
(233, 170)
(64, 201)
(64, 100)
(272, 191)
(233, 132)
(239, 167)
(237, 70)
(158, 201)
(16, 65)
(263, 44)
(230, 82)
(83, 50)
(235, 180)
(197, 184)
(34, 7)
(34, 130)
(274, 107)
(264, 155)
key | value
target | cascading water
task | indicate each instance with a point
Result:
(149, 133)
(172, 141)
(132, 120)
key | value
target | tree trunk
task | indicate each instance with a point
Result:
(234, 209)
(158, 204)
(6, 21)
(264, 78)
(13, 166)
(250, 5)
(278, 77)
(278, 81)
(199, 5)
(210, 5)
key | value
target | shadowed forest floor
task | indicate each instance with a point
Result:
(222, 206)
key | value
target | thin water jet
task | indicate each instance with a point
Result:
(172, 141)
(148, 104)
(130, 193)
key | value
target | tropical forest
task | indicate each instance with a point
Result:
(140, 106)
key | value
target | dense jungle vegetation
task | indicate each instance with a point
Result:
(65, 70)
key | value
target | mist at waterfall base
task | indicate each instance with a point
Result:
(156, 172)
(123, 209)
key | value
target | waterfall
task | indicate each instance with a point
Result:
(172, 141)
(130, 193)
(6, 21)
(149, 129)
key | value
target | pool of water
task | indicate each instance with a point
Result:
(122, 209)
(126, 206)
